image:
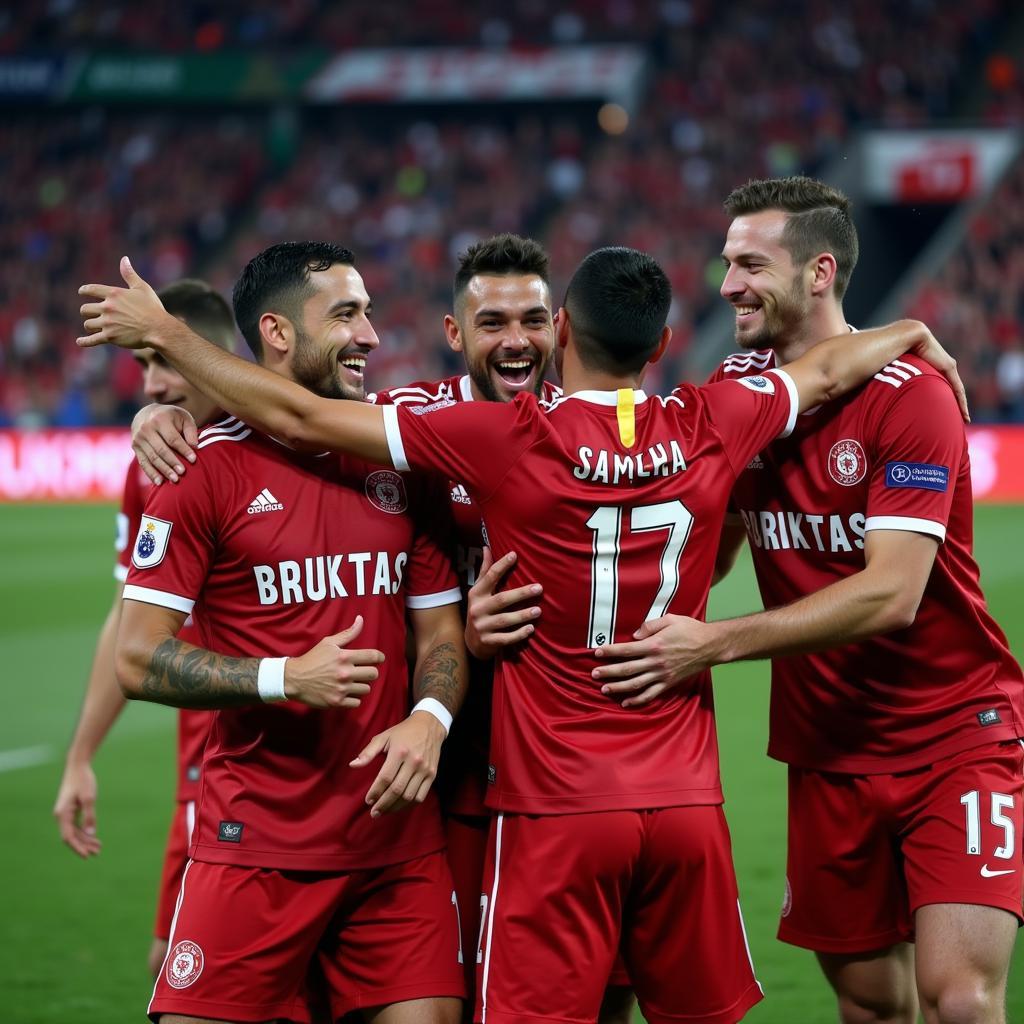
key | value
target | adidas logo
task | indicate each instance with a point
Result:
(755, 462)
(460, 495)
(264, 502)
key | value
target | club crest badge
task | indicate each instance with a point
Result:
(847, 463)
(151, 542)
(386, 491)
(184, 965)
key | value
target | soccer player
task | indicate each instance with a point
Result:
(206, 312)
(274, 549)
(897, 705)
(609, 821)
(501, 322)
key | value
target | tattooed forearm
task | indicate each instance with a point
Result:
(442, 674)
(189, 677)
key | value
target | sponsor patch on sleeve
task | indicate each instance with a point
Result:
(763, 384)
(151, 542)
(917, 474)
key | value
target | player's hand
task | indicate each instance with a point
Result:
(928, 348)
(333, 675)
(492, 620)
(75, 809)
(163, 437)
(120, 316)
(413, 750)
(665, 653)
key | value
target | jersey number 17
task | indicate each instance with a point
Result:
(606, 523)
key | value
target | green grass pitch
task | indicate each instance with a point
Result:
(75, 934)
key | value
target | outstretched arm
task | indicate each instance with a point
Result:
(153, 664)
(838, 365)
(882, 597)
(134, 317)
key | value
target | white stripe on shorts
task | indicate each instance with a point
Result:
(490, 917)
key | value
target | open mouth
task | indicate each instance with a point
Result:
(746, 313)
(354, 366)
(516, 373)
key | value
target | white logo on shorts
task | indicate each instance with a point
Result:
(184, 965)
(987, 873)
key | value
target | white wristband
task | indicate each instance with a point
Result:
(270, 680)
(437, 709)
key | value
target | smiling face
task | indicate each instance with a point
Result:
(503, 327)
(335, 335)
(771, 296)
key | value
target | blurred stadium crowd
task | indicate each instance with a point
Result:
(748, 89)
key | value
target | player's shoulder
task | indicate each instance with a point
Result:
(744, 364)
(420, 393)
(228, 431)
(908, 379)
(906, 370)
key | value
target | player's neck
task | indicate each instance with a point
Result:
(812, 331)
(576, 376)
(589, 380)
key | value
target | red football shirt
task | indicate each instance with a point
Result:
(193, 726)
(889, 456)
(274, 551)
(614, 502)
(462, 780)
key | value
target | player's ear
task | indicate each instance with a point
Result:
(453, 333)
(823, 273)
(666, 337)
(561, 326)
(276, 333)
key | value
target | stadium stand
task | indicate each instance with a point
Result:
(407, 188)
(978, 298)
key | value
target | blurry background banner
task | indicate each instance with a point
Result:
(193, 135)
(89, 464)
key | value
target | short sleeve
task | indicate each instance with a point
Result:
(127, 520)
(173, 547)
(473, 442)
(751, 412)
(431, 580)
(915, 460)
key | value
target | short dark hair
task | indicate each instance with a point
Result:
(820, 219)
(501, 256)
(618, 301)
(278, 279)
(203, 308)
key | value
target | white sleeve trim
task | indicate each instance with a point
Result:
(394, 436)
(906, 523)
(794, 400)
(160, 597)
(120, 572)
(452, 596)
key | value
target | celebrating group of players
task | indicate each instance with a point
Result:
(574, 849)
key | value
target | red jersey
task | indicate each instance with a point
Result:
(889, 456)
(614, 502)
(464, 761)
(274, 551)
(193, 726)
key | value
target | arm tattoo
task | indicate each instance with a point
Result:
(442, 675)
(188, 677)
